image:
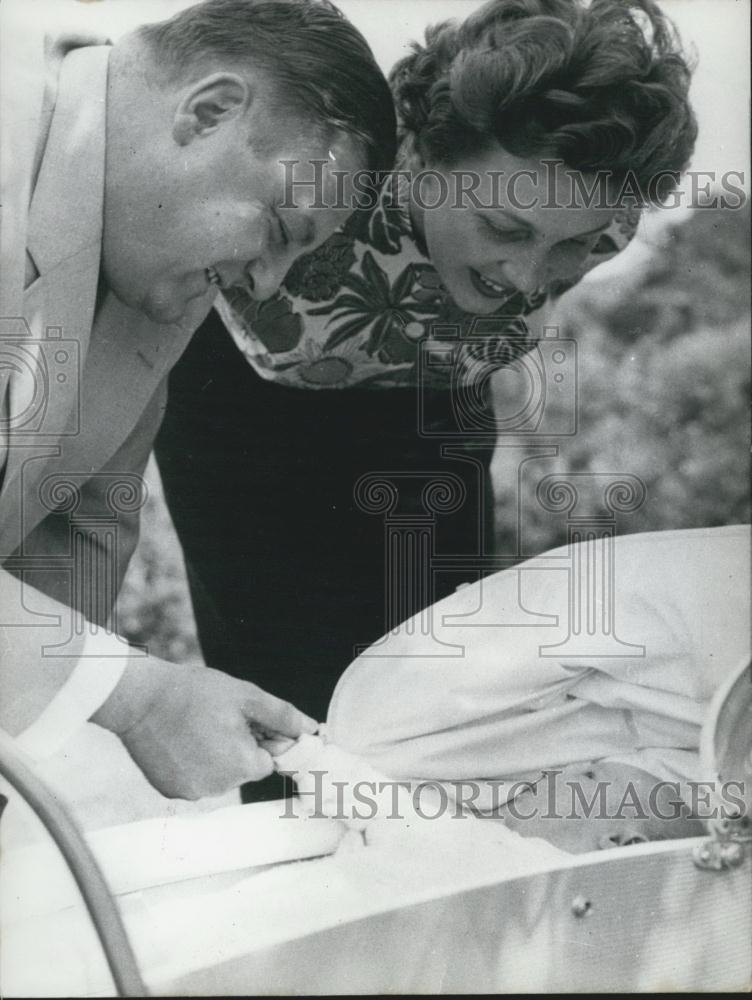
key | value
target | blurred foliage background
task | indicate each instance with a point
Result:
(663, 366)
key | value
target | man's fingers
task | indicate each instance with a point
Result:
(273, 715)
(259, 765)
(252, 765)
(276, 745)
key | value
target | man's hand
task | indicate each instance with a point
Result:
(191, 729)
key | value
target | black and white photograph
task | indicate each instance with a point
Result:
(375, 497)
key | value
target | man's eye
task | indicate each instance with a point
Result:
(575, 244)
(280, 232)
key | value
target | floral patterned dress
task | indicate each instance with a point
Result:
(366, 307)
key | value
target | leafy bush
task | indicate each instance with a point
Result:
(154, 608)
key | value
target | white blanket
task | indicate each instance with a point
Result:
(500, 703)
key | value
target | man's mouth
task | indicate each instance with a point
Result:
(213, 276)
(490, 288)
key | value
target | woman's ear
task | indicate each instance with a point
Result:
(209, 103)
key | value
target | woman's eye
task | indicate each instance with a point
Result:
(505, 235)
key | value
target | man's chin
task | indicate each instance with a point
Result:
(164, 310)
(157, 309)
(179, 307)
(165, 315)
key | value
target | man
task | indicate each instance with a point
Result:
(136, 178)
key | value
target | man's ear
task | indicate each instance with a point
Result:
(208, 104)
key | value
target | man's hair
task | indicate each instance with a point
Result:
(601, 87)
(321, 66)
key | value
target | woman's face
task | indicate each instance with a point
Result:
(502, 224)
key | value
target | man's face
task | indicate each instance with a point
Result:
(219, 213)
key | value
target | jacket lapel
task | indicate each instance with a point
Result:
(63, 239)
(21, 100)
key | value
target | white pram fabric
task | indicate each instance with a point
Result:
(496, 704)
(416, 823)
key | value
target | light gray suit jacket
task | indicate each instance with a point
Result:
(84, 376)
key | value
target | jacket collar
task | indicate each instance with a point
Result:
(65, 217)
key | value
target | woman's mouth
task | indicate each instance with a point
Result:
(490, 288)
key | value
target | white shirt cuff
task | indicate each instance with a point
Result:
(101, 665)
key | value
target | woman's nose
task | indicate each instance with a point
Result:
(526, 272)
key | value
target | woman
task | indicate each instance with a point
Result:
(418, 293)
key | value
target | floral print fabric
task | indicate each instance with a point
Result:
(366, 308)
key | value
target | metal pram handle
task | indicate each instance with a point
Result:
(78, 856)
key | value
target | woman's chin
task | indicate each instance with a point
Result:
(478, 305)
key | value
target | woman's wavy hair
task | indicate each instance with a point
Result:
(602, 86)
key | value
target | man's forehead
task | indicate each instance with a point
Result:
(320, 185)
(306, 141)
(324, 176)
